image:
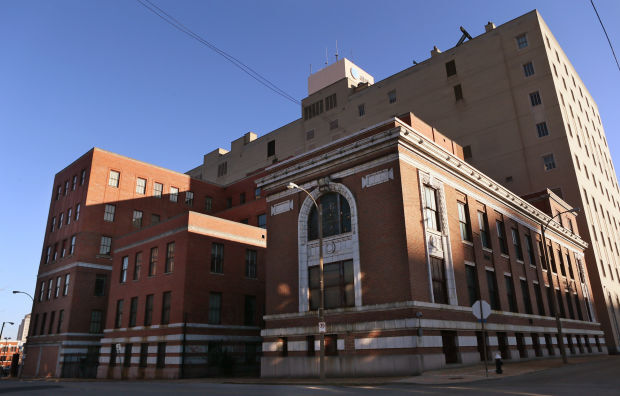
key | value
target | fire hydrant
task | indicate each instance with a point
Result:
(498, 363)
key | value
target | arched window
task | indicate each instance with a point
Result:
(336, 216)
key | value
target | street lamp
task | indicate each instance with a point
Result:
(23, 352)
(2, 329)
(21, 292)
(554, 297)
(293, 186)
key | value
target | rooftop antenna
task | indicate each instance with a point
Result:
(463, 37)
(326, 60)
(336, 50)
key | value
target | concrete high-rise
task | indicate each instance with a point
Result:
(510, 97)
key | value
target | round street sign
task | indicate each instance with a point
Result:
(481, 309)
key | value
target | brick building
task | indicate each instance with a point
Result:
(8, 348)
(98, 199)
(413, 235)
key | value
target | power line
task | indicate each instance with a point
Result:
(606, 35)
(239, 64)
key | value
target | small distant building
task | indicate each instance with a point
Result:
(24, 326)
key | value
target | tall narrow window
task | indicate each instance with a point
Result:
(570, 267)
(72, 246)
(217, 258)
(153, 261)
(558, 294)
(82, 177)
(535, 98)
(501, 236)
(516, 241)
(271, 148)
(148, 310)
(361, 110)
(61, 315)
(77, 212)
(472, 284)
(53, 224)
(140, 186)
(222, 168)
(458, 92)
(562, 268)
(431, 214)
(539, 300)
(96, 319)
(262, 220)
(521, 41)
(137, 218)
(165, 307)
(464, 223)
(528, 69)
(551, 256)
(144, 354)
(549, 162)
(450, 68)
(50, 287)
(58, 285)
(542, 130)
(530, 249)
(65, 289)
(69, 216)
(330, 102)
(133, 311)
(578, 306)
(189, 198)
(137, 266)
(118, 320)
(106, 245)
(169, 257)
(215, 308)
(250, 263)
(158, 190)
(161, 355)
(50, 328)
(99, 285)
(127, 356)
(174, 194)
(208, 204)
(114, 178)
(60, 220)
(392, 96)
(527, 302)
(249, 312)
(484, 230)
(438, 276)
(493, 292)
(124, 267)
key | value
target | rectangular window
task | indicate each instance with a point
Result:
(60, 219)
(535, 98)
(158, 190)
(338, 281)
(249, 312)
(222, 169)
(55, 256)
(528, 69)
(516, 241)
(484, 230)
(330, 102)
(50, 328)
(58, 285)
(108, 214)
(438, 276)
(493, 292)
(215, 308)
(66, 186)
(562, 268)
(361, 110)
(450, 68)
(61, 316)
(530, 249)
(542, 130)
(569, 304)
(228, 202)
(271, 148)
(549, 162)
(333, 125)
(99, 285)
(169, 258)
(82, 177)
(431, 214)
(392, 96)
(174, 194)
(262, 220)
(472, 284)
(136, 220)
(53, 224)
(137, 266)
(155, 219)
(189, 198)
(44, 319)
(242, 198)
(127, 356)
(77, 212)
(558, 294)
(161, 355)
(527, 302)
(114, 178)
(48, 254)
(69, 216)
(570, 267)
(118, 320)
(464, 223)
(106, 245)
(124, 267)
(578, 306)
(250, 263)
(58, 192)
(148, 310)
(458, 92)
(133, 311)
(50, 287)
(165, 307)
(501, 236)
(217, 258)
(65, 290)
(313, 110)
(551, 256)
(208, 204)
(153, 261)
(113, 354)
(144, 354)
(63, 249)
(521, 41)
(140, 186)
(539, 301)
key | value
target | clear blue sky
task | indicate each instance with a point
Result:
(77, 74)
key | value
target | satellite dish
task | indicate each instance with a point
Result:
(355, 73)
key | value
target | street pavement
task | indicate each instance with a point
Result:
(588, 375)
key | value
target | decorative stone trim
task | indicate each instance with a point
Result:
(282, 207)
(379, 177)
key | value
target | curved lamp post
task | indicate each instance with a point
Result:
(293, 186)
(2, 329)
(554, 298)
(23, 351)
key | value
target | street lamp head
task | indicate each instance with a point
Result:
(292, 186)
(16, 291)
(575, 210)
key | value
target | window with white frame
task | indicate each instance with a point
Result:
(77, 212)
(521, 41)
(137, 218)
(174, 194)
(106, 245)
(431, 214)
(250, 263)
(158, 190)
(124, 267)
(140, 186)
(108, 214)
(114, 178)
(189, 198)
(65, 289)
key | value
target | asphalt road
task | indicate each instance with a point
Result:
(591, 378)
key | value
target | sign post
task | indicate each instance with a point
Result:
(481, 311)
